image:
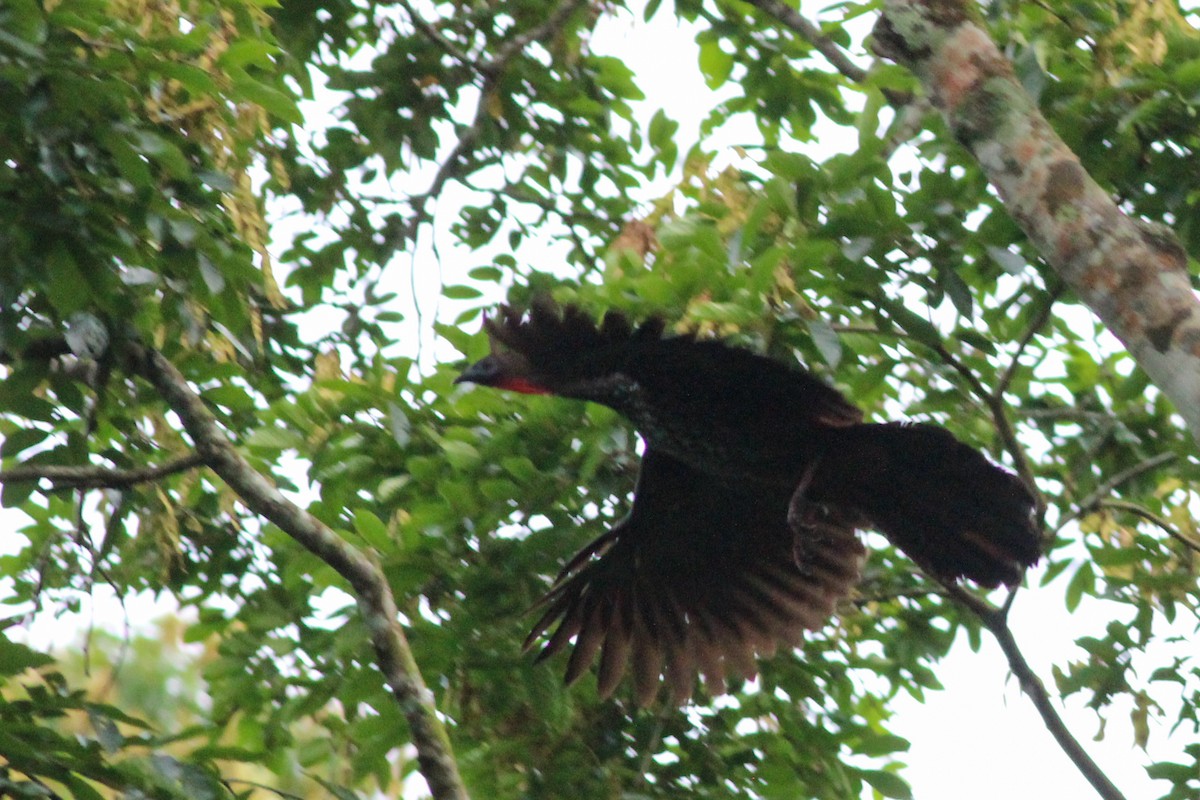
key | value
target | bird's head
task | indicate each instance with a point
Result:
(549, 350)
(504, 370)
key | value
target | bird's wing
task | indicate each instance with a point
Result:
(702, 576)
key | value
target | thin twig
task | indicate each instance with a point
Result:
(811, 33)
(452, 50)
(375, 600)
(1004, 429)
(911, 593)
(1148, 515)
(91, 477)
(491, 70)
(1036, 324)
(908, 123)
(1066, 414)
(515, 45)
(1103, 490)
(1033, 686)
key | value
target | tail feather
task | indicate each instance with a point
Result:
(942, 502)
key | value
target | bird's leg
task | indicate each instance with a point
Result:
(824, 541)
(803, 515)
(805, 519)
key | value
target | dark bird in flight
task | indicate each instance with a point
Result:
(755, 478)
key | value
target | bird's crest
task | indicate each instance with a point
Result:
(553, 339)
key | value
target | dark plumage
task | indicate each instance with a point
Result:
(755, 478)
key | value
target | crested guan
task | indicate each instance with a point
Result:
(756, 475)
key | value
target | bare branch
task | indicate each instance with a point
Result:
(996, 621)
(1032, 685)
(1148, 515)
(375, 600)
(1102, 491)
(811, 33)
(491, 70)
(90, 477)
(451, 49)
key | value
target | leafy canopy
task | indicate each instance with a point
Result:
(149, 146)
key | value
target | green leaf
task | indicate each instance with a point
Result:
(1083, 582)
(614, 74)
(21, 440)
(1171, 771)
(277, 103)
(888, 784)
(882, 744)
(1187, 76)
(248, 51)
(826, 340)
(66, 286)
(24, 19)
(275, 438)
(132, 165)
(372, 529)
(196, 80)
(1010, 262)
(911, 323)
(715, 64)
(461, 455)
(16, 658)
(521, 468)
(486, 274)
(461, 292)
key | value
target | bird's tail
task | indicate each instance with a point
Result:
(942, 502)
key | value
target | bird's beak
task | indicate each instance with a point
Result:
(485, 371)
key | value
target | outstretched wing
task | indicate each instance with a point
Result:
(701, 577)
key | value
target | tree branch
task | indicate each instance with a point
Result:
(811, 33)
(90, 477)
(451, 49)
(552, 23)
(1032, 685)
(1102, 491)
(491, 70)
(1165, 526)
(994, 400)
(1132, 274)
(1036, 324)
(375, 600)
(996, 621)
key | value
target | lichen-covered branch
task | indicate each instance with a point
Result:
(1132, 274)
(375, 600)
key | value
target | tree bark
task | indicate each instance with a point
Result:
(375, 600)
(1131, 273)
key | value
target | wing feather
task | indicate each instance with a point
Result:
(699, 580)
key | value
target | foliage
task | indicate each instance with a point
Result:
(134, 138)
